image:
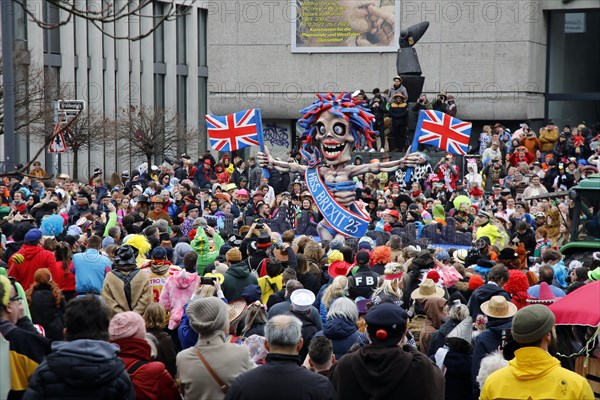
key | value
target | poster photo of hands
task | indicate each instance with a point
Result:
(342, 26)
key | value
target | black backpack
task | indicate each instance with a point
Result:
(127, 283)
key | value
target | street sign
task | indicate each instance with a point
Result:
(58, 144)
(71, 105)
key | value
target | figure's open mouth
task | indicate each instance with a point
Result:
(333, 150)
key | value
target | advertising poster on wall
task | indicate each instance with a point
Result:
(345, 26)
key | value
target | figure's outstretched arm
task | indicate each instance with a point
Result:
(265, 160)
(389, 166)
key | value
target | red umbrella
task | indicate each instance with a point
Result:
(581, 307)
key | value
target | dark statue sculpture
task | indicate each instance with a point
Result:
(407, 62)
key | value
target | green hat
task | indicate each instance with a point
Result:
(532, 323)
(594, 275)
(4, 211)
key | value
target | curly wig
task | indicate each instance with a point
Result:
(342, 106)
(381, 255)
(517, 282)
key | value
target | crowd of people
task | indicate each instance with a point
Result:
(207, 280)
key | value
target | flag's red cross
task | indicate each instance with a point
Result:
(445, 131)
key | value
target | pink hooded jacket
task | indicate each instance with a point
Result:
(177, 291)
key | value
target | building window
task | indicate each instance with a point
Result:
(202, 100)
(202, 20)
(51, 15)
(573, 82)
(182, 111)
(181, 30)
(20, 24)
(159, 34)
(159, 91)
(572, 35)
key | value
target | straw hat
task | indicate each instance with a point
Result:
(427, 289)
(498, 307)
(235, 310)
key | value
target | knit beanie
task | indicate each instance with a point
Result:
(126, 325)
(475, 281)
(234, 255)
(208, 315)
(532, 323)
(336, 244)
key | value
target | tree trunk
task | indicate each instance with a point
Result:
(149, 160)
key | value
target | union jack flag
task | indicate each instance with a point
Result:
(234, 131)
(438, 129)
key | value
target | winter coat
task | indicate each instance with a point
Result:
(268, 286)
(284, 308)
(64, 280)
(237, 176)
(342, 332)
(437, 339)
(310, 281)
(166, 352)
(535, 374)
(34, 257)
(532, 144)
(113, 292)
(158, 273)
(379, 372)
(226, 359)
(485, 343)
(45, 312)
(84, 369)
(458, 375)
(201, 245)
(27, 350)
(434, 308)
(178, 290)
(281, 377)
(548, 139)
(363, 283)
(254, 175)
(280, 181)
(237, 277)
(203, 177)
(483, 294)
(150, 380)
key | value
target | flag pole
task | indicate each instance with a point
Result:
(415, 143)
(261, 138)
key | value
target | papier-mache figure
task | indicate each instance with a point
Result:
(334, 127)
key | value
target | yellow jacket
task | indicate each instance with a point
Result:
(535, 374)
(492, 232)
(267, 286)
(548, 139)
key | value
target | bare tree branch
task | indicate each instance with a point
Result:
(31, 90)
(105, 15)
(152, 132)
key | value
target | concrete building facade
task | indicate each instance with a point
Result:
(505, 60)
(167, 69)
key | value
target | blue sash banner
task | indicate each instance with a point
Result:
(348, 222)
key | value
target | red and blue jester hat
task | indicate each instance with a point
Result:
(342, 106)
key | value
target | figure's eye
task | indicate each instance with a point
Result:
(339, 129)
(321, 128)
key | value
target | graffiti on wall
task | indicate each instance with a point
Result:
(278, 138)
